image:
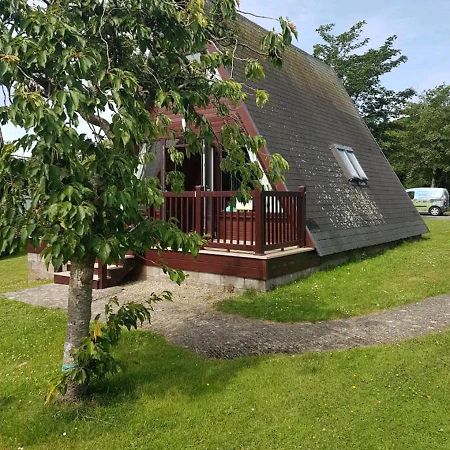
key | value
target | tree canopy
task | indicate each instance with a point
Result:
(420, 149)
(119, 67)
(361, 69)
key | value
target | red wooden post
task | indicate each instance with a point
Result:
(198, 209)
(260, 222)
(161, 212)
(302, 217)
(102, 273)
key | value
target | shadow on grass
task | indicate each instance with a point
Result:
(152, 367)
(152, 371)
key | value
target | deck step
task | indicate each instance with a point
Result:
(115, 273)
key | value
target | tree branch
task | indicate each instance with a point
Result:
(257, 52)
(247, 13)
(102, 123)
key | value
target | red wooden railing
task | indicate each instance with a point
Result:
(272, 220)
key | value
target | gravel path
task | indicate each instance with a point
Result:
(192, 322)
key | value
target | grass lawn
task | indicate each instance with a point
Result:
(407, 273)
(393, 397)
(13, 274)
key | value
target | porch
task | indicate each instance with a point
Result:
(257, 245)
(248, 246)
(271, 220)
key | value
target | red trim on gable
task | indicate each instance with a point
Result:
(247, 123)
(252, 130)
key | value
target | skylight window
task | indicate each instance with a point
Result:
(349, 163)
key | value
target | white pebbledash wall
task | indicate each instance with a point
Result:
(37, 269)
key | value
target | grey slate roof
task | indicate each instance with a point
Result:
(309, 110)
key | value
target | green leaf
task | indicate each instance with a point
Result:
(76, 97)
(262, 97)
(3, 68)
(61, 98)
(85, 65)
(254, 70)
(104, 251)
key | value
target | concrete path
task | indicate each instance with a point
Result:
(191, 321)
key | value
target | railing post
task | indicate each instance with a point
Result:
(162, 209)
(198, 209)
(102, 273)
(260, 222)
(302, 217)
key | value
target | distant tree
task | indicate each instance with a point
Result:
(1, 178)
(117, 65)
(420, 141)
(361, 68)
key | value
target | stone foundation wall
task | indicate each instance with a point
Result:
(242, 284)
(38, 271)
(229, 284)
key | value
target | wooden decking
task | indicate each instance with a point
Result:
(237, 265)
(260, 240)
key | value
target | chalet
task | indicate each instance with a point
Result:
(340, 194)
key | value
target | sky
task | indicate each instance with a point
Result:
(422, 27)
(423, 30)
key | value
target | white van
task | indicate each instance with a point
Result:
(434, 201)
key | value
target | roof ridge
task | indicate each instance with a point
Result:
(294, 47)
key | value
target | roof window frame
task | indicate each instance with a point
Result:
(348, 161)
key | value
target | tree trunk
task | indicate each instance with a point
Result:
(78, 315)
(433, 178)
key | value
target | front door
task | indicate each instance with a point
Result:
(198, 170)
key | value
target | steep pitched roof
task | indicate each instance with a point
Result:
(309, 110)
